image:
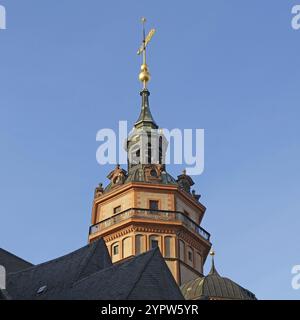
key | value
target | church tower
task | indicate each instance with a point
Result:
(144, 207)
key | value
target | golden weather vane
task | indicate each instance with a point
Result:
(144, 75)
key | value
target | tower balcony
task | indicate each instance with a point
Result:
(157, 216)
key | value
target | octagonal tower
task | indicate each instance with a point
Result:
(145, 207)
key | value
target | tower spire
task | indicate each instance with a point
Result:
(144, 75)
(144, 40)
(145, 119)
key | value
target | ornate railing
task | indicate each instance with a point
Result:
(157, 215)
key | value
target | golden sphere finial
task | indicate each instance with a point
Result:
(212, 252)
(144, 75)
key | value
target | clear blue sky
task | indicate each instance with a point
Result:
(69, 68)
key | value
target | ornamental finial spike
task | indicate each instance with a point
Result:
(144, 75)
(213, 270)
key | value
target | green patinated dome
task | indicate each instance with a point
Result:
(137, 174)
(215, 287)
(145, 118)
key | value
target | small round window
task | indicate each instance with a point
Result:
(153, 173)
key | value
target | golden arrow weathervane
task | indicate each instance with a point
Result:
(147, 40)
(144, 75)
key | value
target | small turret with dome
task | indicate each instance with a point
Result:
(215, 287)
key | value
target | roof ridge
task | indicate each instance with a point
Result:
(85, 260)
(96, 244)
(142, 271)
(116, 265)
(51, 261)
(12, 254)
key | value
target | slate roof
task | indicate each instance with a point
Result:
(143, 277)
(11, 262)
(59, 273)
(4, 295)
(89, 274)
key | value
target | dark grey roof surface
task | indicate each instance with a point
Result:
(11, 262)
(4, 295)
(89, 274)
(58, 274)
(143, 277)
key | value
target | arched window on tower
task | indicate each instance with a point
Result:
(127, 247)
(181, 250)
(168, 247)
(198, 262)
(134, 155)
(149, 153)
(139, 244)
(115, 252)
(160, 149)
(190, 255)
(154, 241)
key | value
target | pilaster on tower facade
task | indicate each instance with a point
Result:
(144, 207)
